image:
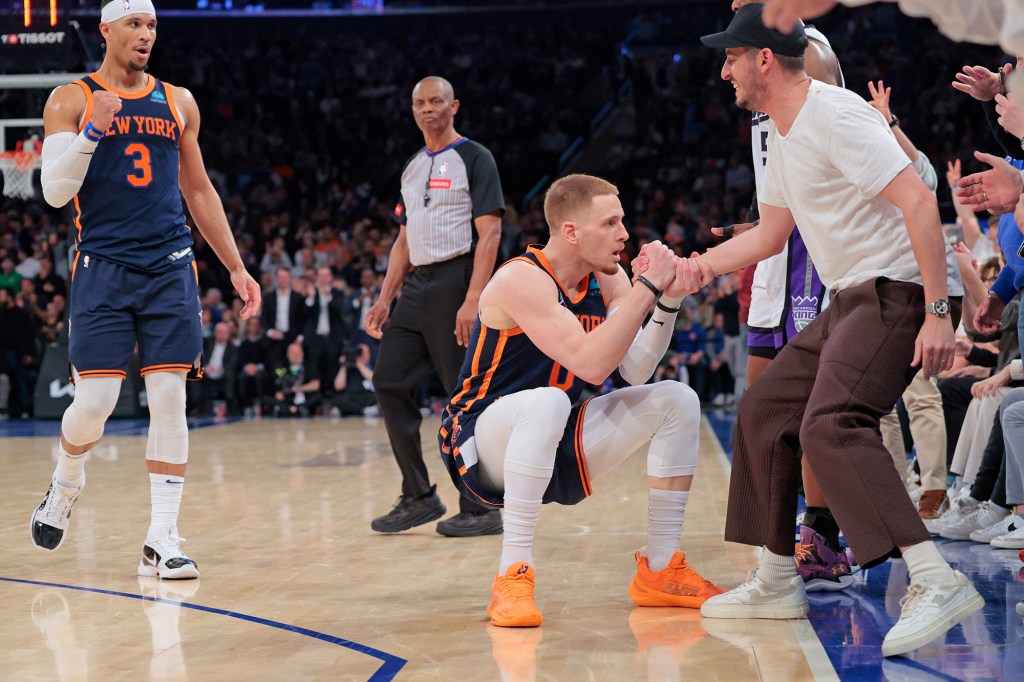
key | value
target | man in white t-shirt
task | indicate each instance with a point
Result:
(873, 230)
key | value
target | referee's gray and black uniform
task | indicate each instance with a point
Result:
(443, 192)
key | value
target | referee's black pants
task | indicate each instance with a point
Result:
(419, 338)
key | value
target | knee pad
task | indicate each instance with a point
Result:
(94, 400)
(548, 403)
(542, 414)
(667, 457)
(168, 427)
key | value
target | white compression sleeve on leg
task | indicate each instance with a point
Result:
(168, 427)
(94, 401)
(66, 158)
(650, 344)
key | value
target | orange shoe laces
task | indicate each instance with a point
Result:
(687, 574)
(515, 588)
(804, 553)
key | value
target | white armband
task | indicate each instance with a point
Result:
(66, 158)
(650, 344)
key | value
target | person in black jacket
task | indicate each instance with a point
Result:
(282, 315)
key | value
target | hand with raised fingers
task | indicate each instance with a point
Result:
(880, 99)
(980, 83)
(997, 189)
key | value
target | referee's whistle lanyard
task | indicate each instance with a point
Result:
(430, 171)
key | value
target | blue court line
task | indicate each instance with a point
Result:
(386, 672)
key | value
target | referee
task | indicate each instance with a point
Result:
(449, 187)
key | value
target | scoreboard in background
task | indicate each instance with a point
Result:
(35, 36)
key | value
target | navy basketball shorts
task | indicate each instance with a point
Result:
(113, 307)
(570, 480)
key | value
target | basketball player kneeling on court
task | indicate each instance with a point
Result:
(513, 436)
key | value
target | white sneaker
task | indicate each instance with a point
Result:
(50, 520)
(929, 609)
(163, 557)
(757, 599)
(1014, 539)
(981, 516)
(1020, 609)
(1004, 525)
(958, 509)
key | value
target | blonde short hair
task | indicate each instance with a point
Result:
(568, 198)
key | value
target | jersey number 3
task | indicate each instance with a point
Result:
(143, 174)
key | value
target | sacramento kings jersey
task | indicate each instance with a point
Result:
(129, 207)
(787, 282)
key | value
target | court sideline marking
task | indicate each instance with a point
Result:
(389, 668)
(814, 651)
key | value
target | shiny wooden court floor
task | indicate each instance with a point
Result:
(295, 585)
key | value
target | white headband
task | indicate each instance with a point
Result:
(119, 9)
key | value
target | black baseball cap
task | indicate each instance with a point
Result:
(748, 30)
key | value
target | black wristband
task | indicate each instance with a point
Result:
(669, 310)
(894, 121)
(647, 283)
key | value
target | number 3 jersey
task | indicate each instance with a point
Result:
(503, 361)
(128, 210)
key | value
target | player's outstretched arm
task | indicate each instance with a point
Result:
(205, 206)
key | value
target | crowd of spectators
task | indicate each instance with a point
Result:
(305, 132)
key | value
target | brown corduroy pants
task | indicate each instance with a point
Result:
(827, 390)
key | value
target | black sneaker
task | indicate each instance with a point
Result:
(470, 524)
(410, 512)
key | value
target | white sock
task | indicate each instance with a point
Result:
(665, 509)
(775, 569)
(69, 468)
(524, 496)
(520, 521)
(165, 495)
(924, 559)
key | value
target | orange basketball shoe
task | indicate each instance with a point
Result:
(512, 599)
(677, 585)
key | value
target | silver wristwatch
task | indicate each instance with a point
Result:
(939, 308)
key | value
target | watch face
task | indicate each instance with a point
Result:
(941, 307)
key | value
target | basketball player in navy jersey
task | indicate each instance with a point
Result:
(513, 436)
(121, 143)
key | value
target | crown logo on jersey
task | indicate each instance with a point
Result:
(805, 309)
(159, 96)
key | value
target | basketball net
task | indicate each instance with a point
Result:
(17, 168)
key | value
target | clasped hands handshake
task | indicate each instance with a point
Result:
(676, 277)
